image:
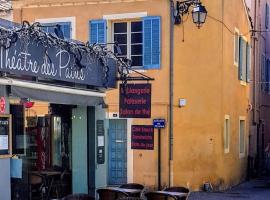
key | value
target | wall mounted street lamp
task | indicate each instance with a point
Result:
(199, 12)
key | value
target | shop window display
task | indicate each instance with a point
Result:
(42, 138)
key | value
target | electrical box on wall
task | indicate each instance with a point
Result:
(182, 102)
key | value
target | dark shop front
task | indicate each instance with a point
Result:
(51, 101)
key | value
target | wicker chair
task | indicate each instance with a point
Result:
(108, 194)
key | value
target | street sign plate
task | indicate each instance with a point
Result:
(159, 123)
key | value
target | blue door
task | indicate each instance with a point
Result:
(117, 152)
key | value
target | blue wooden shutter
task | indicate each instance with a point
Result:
(64, 26)
(266, 16)
(241, 52)
(151, 42)
(66, 29)
(97, 32)
(248, 63)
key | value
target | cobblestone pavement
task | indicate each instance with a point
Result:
(256, 189)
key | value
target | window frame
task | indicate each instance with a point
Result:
(129, 44)
(227, 134)
(242, 154)
(72, 20)
(236, 51)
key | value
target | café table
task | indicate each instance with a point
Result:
(130, 192)
(50, 176)
(175, 195)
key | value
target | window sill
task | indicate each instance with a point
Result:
(226, 151)
(243, 83)
(242, 155)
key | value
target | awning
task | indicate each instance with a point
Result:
(53, 93)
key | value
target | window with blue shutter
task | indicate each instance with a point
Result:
(266, 16)
(248, 64)
(241, 55)
(97, 31)
(267, 72)
(151, 42)
(64, 26)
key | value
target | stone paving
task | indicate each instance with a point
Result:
(258, 189)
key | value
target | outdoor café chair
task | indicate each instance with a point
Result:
(108, 194)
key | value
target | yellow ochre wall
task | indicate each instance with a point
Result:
(204, 74)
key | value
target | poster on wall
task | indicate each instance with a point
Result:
(142, 137)
(5, 135)
(135, 101)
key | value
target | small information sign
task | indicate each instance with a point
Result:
(159, 123)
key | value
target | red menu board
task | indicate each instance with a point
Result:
(142, 137)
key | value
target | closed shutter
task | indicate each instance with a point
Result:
(64, 26)
(248, 63)
(266, 16)
(97, 30)
(263, 72)
(151, 42)
(66, 29)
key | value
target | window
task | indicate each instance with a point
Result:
(227, 134)
(236, 47)
(138, 40)
(64, 26)
(244, 62)
(265, 69)
(242, 136)
(129, 36)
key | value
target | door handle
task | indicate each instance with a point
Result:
(119, 141)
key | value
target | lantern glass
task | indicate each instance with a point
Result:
(199, 14)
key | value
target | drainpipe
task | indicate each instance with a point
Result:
(254, 64)
(171, 2)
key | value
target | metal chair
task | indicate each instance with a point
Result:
(108, 194)
(159, 196)
(78, 197)
(36, 186)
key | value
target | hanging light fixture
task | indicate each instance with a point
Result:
(199, 12)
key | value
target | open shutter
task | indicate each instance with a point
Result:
(151, 42)
(248, 63)
(97, 31)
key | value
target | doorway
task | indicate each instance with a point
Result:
(117, 152)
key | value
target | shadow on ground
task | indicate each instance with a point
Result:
(258, 189)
